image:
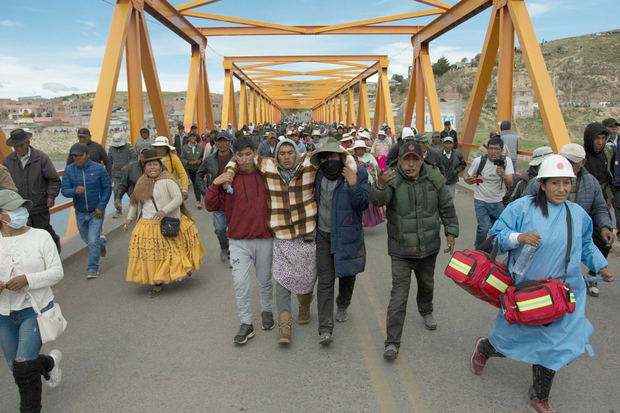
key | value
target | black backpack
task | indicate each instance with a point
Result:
(515, 191)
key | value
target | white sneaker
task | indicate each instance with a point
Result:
(56, 372)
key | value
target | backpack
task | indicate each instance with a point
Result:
(483, 162)
(515, 191)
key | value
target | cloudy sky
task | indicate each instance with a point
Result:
(54, 48)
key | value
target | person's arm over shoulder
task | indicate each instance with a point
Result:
(53, 271)
(106, 189)
(599, 212)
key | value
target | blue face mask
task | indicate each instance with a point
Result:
(19, 218)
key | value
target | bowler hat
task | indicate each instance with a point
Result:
(18, 136)
(150, 155)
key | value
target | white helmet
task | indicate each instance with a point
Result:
(555, 166)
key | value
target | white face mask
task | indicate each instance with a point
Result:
(19, 218)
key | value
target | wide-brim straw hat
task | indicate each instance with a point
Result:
(162, 141)
(359, 144)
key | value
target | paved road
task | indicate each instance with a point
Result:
(127, 353)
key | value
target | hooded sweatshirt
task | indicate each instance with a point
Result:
(287, 174)
(597, 163)
(245, 209)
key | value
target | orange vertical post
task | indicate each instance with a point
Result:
(350, 107)
(379, 114)
(505, 70)
(243, 105)
(134, 78)
(252, 106)
(481, 82)
(191, 95)
(363, 111)
(110, 67)
(430, 88)
(386, 105)
(226, 99)
(342, 115)
(420, 111)
(151, 80)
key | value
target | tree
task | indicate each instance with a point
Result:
(441, 66)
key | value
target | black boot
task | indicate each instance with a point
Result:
(543, 379)
(27, 376)
(46, 364)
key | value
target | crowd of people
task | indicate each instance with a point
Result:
(293, 199)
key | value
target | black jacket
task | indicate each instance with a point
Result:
(37, 182)
(453, 166)
(598, 163)
(432, 157)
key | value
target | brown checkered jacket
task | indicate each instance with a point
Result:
(292, 207)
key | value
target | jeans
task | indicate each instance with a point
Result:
(42, 220)
(452, 189)
(243, 253)
(326, 274)
(90, 232)
(486, 214)
(424, 269)
(220, 226)
(19, 335)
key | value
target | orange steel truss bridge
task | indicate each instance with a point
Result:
(266, 91)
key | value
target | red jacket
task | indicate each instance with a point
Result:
(246, 209)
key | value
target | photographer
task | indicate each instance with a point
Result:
(492, 174)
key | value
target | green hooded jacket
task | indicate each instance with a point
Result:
(414, 210)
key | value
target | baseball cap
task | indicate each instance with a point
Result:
(435, 133)
(11, 200)
(83, 132)
(223, 135)
(410, 148)
(448, 139)
(79, 149)
(610, 122)
(573, 152)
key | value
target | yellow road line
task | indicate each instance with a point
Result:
(373, 361)
(409, 382)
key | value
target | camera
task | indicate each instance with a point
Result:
(501, 162)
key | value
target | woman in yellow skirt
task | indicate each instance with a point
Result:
(153, 258)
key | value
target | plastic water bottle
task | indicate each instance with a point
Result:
(524, 259)
(229, 189)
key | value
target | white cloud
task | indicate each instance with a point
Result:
(88, 23)
(8, 23)
(538, 9)
(90, 51)
(56, 87)
(400, 55)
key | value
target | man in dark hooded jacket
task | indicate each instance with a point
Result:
(599, 157)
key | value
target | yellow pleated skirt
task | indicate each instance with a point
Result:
(155, 259)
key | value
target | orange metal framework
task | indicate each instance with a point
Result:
(330, 92)
(263, 96)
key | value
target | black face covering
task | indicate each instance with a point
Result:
(332, 169)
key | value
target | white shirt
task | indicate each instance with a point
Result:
(34, 254)
(492, 189)
(24, 159)
(447, 155)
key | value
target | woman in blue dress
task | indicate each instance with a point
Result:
(541, 222)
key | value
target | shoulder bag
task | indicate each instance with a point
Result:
(169, 226)
(541, 301)
(51, 323)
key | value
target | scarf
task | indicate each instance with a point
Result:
(143, 190)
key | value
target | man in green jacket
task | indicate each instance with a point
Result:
(417, 199)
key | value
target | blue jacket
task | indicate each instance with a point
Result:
(347, 236)
(95, 178)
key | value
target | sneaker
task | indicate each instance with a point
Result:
(592, 290)
(540, 406)
(391, 352)
(91, 275)
(478, 360)
(246, 332)
(429, 322)
(267, 317)
(104, 241)
(224, 254)
(56, 373)
(325, 339)
(198, 205)
(341, 315)
(117, 214)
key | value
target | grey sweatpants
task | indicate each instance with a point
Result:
(243, 253)
(283, 299)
